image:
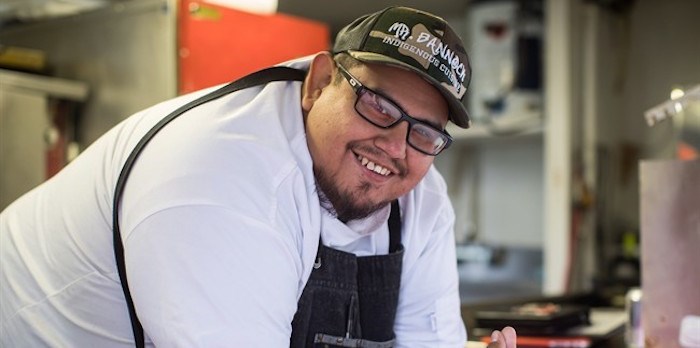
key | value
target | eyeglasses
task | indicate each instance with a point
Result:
(384, 113)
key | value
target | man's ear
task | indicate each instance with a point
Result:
(320, 75)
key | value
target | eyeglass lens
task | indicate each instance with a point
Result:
(383, 113)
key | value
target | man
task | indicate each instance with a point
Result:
(265, 214)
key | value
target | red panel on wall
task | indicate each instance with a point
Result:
(218, 44)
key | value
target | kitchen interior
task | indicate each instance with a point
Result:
(569, 187)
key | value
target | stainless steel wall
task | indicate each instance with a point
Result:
(126, 52)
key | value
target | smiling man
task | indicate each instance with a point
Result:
(374, 158)
(297, 207)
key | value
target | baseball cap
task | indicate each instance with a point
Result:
(415, 40)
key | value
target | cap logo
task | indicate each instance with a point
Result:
(426, 49)
(401, 30)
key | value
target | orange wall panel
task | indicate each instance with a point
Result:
(218, 44)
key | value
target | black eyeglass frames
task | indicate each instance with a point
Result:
(384, 113)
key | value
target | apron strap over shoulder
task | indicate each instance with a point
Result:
(276, 73)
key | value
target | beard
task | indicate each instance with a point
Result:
(345, 204)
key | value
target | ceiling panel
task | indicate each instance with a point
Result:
(339, 13)
(333, 12)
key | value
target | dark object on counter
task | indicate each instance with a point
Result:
(533, 318)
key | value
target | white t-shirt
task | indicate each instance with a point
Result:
(220, 221)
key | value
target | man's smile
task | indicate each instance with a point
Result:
(373, 166)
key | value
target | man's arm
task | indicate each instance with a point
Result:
(429, 306)
(207, 276)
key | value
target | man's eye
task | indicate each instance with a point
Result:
(378, 104)
(423, 132)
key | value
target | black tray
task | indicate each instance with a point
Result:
(533, 318)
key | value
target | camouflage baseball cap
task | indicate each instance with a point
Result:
(418, 41)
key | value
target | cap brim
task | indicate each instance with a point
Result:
(458, 113)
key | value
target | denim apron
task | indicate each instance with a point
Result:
(351, 301)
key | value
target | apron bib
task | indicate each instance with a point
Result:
(351, 301)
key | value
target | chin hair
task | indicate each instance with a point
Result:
(343, 204)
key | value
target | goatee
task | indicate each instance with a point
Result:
(346, 205)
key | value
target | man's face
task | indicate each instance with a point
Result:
(346, 149)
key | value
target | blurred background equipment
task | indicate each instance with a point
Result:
(670, 232)
(683, 110)
(506, 52)
(38, 116)
(670, 225)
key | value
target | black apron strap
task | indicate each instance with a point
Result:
(394, 224)
(394, 227)
(255, 79)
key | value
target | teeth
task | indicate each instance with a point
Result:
(373, 167)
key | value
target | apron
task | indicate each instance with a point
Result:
(348, 301)
(351, 301)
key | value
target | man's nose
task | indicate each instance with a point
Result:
(393, 140)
